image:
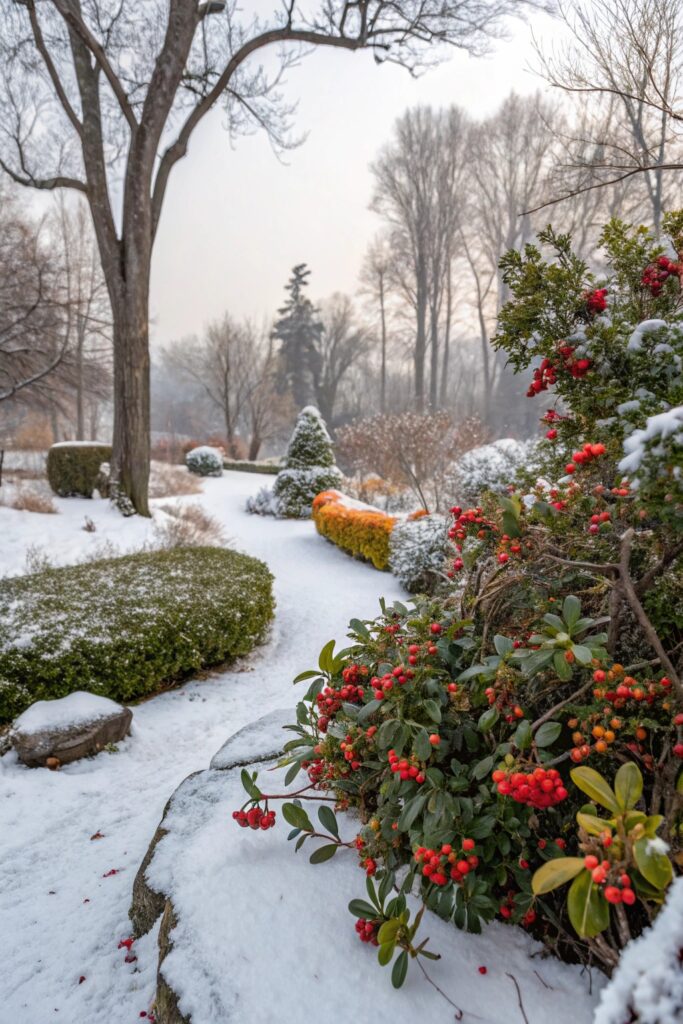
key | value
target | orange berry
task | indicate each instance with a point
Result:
(601, 746)
(598, 731)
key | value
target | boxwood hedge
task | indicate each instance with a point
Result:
(74, 466)
(123, 627)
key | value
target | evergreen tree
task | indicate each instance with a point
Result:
(299, 330)
(308, 469)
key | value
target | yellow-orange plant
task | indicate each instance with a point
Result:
(363, 532)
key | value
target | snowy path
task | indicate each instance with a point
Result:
(61, 917)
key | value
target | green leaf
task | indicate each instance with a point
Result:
(360, 628)
(410, 811)
(654, 866)
(562, 666)
(522, 736)
(421, 745)
(306, 675)
(628, 785)
(510, 525)
(400, 969)
(503, 644)
(368, 710)
(249, 785)
(582, 654)
(326, 659)
(359, 908)
(593, 825)
(595, 786)
(488, 719)
(483, 768)
(571, 611)
(385, 953)
(555, 873)
(433, 710)
(328, 820)
(323, 853)
(297, 817)
(387, 932)
(588, 910)
(292, 773)
(547, 733)
(554, 621)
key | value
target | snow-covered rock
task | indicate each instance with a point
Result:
(256, 741)
(68, 728)
(252, 932)
(647, 986)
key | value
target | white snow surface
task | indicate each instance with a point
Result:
(263, 937)
(663, 425)
(71, 841)
(78, 708)
(635, 342)
(649, 978)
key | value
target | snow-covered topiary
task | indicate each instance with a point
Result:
(488, 468)
(205, 461)
(647, 986)
(308, 468)
(418, 549)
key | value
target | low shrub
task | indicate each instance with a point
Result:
(245, 466)
(359, 529)
(187, 525)
(205, 461)
(167, 481)
(418, 549)
(490, 467)
(124, 627)
(295, 489)
(73, 467)
(28, 499)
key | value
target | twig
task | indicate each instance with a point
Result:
(519, 996)
(458, 1012)
(574, 696)
(543, 982)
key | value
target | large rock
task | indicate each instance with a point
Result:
(54, 732)
(258, 741)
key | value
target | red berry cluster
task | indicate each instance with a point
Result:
(598, 521)
(367, 931)
(354, 674)
(657, 274)
(400, 674)
(619, 890)
(408, 769)
(539, 788)
(629, 688)
(471, 521)
(329, 701)
(255, 818)
(350, 754)
(440, 865)
(596, 301)
(545, 375)
(588, 452)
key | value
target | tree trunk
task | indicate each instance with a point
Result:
(446, 339)
(434, 368)
(383, 369)
(420, 339)
(254, 447)
(80, 416)
(131, 445)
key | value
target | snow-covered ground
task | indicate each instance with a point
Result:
(71, 841)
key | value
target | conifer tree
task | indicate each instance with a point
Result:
(299, 330)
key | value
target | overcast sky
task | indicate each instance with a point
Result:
(236, 219)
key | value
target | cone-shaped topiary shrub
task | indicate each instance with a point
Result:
(73, 467)
(308, 469)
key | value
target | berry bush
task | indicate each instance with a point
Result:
(514, 748)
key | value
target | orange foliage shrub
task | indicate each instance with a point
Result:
(363, 532)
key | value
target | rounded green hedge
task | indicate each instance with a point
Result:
(73, 467)
(123, 627)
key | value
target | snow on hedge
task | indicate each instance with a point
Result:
(650, 439)
(647, 985)
(205, 461)
(418, 550)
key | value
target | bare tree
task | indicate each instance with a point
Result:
(34, 318)
(375, 283)
(419, 178)
(103, 96)
(343, 341)
(625, 56)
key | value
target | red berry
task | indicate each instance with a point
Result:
(436, 628)
(435, 739)
(612, 894)
(482, 970)
(468, 844)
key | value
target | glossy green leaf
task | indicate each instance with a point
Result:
(387, 932)
(562, 666)
(328, 820)
(297, 817)
(400, 969)
(547, 733)
(385, 953)
(588, 909)
(323, 853)
(410, 811)
(433, 710)
(596, 787)
(503, 644)
(359, 908)
(571, 610)
(555, 873)
(522, 736)
(488, 719)
(628, 785)
(326, 659)
(593, 825)
(582, 654)
(653, 864)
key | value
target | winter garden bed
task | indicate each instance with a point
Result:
(123, 627)
(243, 898)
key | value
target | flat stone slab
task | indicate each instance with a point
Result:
(68, 728)
(259, 741)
